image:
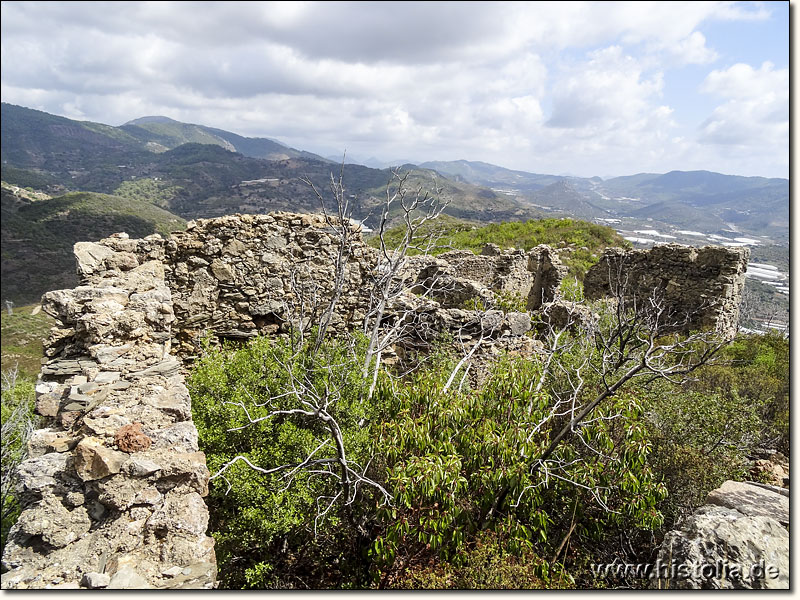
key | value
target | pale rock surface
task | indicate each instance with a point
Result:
(736, 541)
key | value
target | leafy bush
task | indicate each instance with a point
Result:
(264, 524)
(700, 440)
(472, 502)
(17, 424)
(451, 454)
(484, 564)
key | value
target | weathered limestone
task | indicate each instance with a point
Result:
(113, 486)
(701, 284)
(752, 500)
(737, 541)
(547, 270)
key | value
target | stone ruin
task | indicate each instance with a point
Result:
(700, 285)
(113, 487)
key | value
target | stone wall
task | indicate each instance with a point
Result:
(240, 275)
(704, 284)
(244, 274)
(458, 276)
(113, 487)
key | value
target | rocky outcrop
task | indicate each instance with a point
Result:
(770, 466)
(547, 270)
(700, 288)
(113, 488)
(739, 540)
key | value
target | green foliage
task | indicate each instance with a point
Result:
(700, 440)
(504, 301)
(586, 240)
(755, 368)
(571, 289)
(16, 415)
(485, 564)
(264, 525)
(148, 190)
(450, 453)
(703, 435)
(472, 506)
(26, 178)
(511, 302)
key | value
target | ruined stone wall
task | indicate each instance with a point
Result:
(241, 275)
(113, 487)
(704, 284)
(494, 275)
(245, 274)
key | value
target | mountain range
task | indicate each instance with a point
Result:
(189, 171)
(712, 202)
(196, 171)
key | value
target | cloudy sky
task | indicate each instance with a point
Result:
(586, 88)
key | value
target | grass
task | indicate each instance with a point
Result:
(587, 240)
(22, 336)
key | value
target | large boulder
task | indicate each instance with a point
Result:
(737, 541)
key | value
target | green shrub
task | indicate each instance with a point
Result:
(587, 240)
(451, 453)
(484, 564)
(264, 525)
(700, 440)
(18, 422)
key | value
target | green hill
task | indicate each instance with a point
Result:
(197, 171)
(37, 236)
(162, 133)
(60, 147)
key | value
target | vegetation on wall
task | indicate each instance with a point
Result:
(584, 241)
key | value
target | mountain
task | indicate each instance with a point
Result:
(197, 171)
(36, 139)
(151, 174)
(714, 202)
(564, 196)
(32, 139)
(38, 234)
(481, 173)
(162, 133)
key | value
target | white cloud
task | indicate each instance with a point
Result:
(609, 90)
(743, 81)
(756, 110)
(692, 50)
(428, 80)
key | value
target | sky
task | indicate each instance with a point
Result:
(581, 88)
